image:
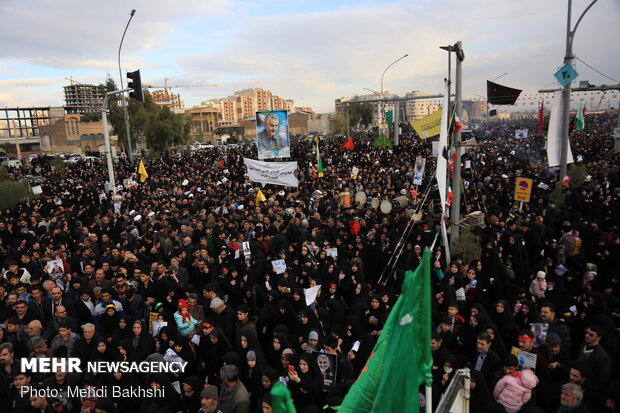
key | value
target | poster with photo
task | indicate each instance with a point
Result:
(55, 269)
(272, 137)
(418, 172)
(328, 366)
(526, 359)
(540, 333)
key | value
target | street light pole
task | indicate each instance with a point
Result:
(568, 59)
(106, 137)
(120, 74)
(383, 74)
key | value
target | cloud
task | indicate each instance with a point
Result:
(70, 34)
(322, 56)
(311, 57)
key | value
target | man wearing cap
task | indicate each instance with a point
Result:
(209, 401)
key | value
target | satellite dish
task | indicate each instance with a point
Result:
(360, 198)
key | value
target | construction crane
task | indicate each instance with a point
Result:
(73, 82)
(167, 87)
(164, 97)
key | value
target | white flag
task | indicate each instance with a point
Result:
(442, 162)
(554, 135)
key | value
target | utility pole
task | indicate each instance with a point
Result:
(396, 122)
(568, 59)
(126, 102)
(348, 135)
(106, 137)
(455, 210)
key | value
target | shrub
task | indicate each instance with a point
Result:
(467, 245)
(12, 192)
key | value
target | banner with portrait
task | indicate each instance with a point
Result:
(418, 171)
(272, 137)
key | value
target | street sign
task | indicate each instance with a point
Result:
(523, 189)
(566, 74)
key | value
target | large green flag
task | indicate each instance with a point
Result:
(581, 123)
(389, 117)
(281, 401)
(382, 141)
(401, 360)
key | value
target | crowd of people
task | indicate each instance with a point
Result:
(181, 267)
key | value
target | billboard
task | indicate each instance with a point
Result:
(272, 134)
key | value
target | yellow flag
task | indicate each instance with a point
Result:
(142, 172)
(428, 126)
(260, 197)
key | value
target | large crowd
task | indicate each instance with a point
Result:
(179, 267)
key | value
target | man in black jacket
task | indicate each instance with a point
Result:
(485, 360)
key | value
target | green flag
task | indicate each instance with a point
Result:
(389, 117)
(319, 161)
(382, 141)
(401, 360)
(581, 122)
(281, 401)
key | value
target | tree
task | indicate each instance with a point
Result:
(155, 125)
(360, 114)
(115, 112)
(338, 124)
(166, 129)
(91, 117)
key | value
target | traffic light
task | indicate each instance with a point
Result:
(136, 84)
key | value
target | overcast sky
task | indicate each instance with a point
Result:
(312, 51)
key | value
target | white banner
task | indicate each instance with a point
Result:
(554, 134)
(277, 173)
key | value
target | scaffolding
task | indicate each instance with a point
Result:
(82, 98)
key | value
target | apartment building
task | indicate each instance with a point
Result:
(245, 103)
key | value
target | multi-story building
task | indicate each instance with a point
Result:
(245, 103)
(419, 108)
(204, 121)
(69, 134)
(81, 98)
(378, 107)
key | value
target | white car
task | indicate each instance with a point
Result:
(12, 163)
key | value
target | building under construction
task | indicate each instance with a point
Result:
(81, 98)
(166, 98)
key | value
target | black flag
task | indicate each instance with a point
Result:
(501, 95)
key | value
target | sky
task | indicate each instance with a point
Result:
(312, 51)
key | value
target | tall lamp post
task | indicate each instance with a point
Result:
(120, 75)
(568, 59)
(383, 74)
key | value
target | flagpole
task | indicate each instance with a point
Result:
(428, 407)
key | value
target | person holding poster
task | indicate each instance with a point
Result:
(272, 139)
